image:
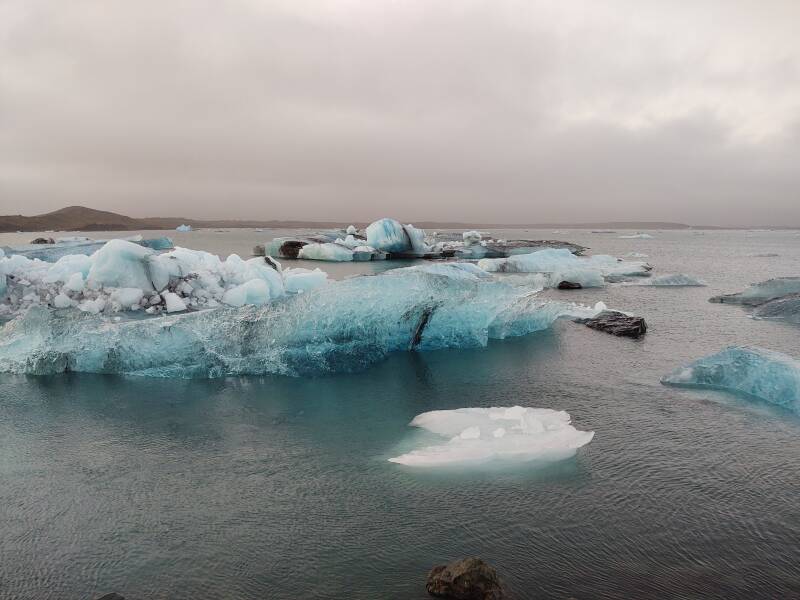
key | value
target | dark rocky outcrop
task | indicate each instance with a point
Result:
(569, 285)
(617, 323)
(466, 579)
(41, 240)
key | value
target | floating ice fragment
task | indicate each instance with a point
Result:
(388, 235)
(183, 228)
(769, 376)
(671, 280)
(483, 435)
(785, 308)
(636, 236)
(758, 293)
(330, 252)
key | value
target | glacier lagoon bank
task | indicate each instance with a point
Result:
(769, 376)
(346, 326)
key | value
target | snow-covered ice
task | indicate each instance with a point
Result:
(329, 252)
(769, 376)
(124, 276)
(483, 435)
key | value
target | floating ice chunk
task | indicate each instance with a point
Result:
(482, 435)
(92, 306)
(352, 230)
(327, 251)
(758, 293)
(346, 327)
(183, 228)
(769, 376)
(121, 264)
(255, 292)
(126, 297)
(388, 235)
(173, 302)
(67, 267)
(635, 255)
(673, 280)
(471, 237)
(785, 308)
(417, 239)
(564, 264)
(350, 241)
(304, 280)
(636, 236)
(62, 301)
(72, 239)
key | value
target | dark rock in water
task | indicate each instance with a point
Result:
(43, 241)
(111, 596)
(569, 285)
(617, 323)
(466, 579)
(291, 248)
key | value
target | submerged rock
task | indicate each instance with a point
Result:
(466, 579)
(569, 285)
(617, 323)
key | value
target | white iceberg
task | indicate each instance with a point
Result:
(636, 236)
(183, 228)
(327, 251)
(769, 376)
(340, 327)
(498, 434)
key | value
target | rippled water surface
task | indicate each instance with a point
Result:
(280, 487)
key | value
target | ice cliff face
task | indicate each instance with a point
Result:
(769, 376)
(345, 326)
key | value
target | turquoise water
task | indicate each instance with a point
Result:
(280, 487)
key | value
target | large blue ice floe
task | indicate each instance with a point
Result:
(341, 327)
(764, 374)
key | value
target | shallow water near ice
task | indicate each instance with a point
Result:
(281, 487)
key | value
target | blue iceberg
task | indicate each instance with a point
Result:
(344, 326)
(769, 376)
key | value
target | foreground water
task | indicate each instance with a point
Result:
(281, 488)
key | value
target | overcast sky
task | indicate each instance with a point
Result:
(490, 111)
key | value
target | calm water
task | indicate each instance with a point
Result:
(280, 488)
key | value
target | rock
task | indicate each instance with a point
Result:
(617, 323)
(43, 241)
(111, 596)
(466, 579)
(569, 285)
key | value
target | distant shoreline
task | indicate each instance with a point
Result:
(79, 218)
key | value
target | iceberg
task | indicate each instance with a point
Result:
(763, 374)
(388, 235)
(563, 265)
(344, 326)
(785, 308)
(183, 228)
(671, 280)
(498, 434)
(636, 236)
(759, 293)
(329, 252)
(73, 246)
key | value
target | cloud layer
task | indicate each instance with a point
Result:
(492, 110)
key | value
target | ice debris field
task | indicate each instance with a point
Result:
(499, 434)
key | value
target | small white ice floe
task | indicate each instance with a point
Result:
(481, 435)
